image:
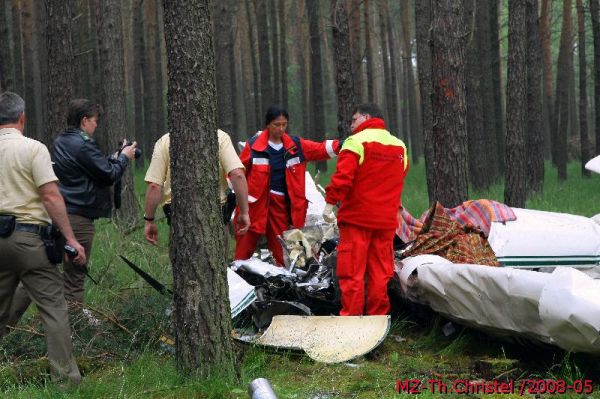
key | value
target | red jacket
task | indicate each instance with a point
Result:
(369, 177)
(297, 152)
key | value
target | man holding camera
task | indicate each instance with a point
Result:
(29, 200)
(86, 175)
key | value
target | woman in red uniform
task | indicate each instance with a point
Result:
(275, 165)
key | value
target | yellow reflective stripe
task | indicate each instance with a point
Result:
(355, 142)
(355, 146)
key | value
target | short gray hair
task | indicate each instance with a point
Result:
(11, 107)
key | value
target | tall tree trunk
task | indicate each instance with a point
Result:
(551, 119)
(423, 20)
(114, 125)
(305, 71)
(258, 98)
(145, 138)
(7, 74)
(202, 314)
(416, 138)
(264, 45)
(496, 71)
(534, 137)
(61, 71)
(565, 60)
(275, 46)
(387, 67)
(583, 125)
(32, 74)
(318, 104)
(394, 117)
(486, 90)
(449, 108)
(223, 35)
(356, 50)
(479, 175)
(161, 71)
(369, 52)
(515, 188)
(594, 9)
(346, 98)
(149, 68)
(18, 46)
(283, 57)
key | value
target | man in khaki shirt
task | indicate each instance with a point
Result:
(158, 178)
(29, 192)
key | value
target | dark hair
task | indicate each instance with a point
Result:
(11, 107)
(368, 109)
(274, 112)
(81, 108)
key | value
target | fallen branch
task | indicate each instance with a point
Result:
(109, 318)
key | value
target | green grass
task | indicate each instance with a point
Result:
(124, 359)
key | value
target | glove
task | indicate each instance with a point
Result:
(328, 214)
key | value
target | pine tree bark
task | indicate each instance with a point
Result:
(32, 74)
(283, 57)
(264, 45)
(114, 123)
(387, 67)
(6, 66)
(561, 107)
(18, 45)
(551, 119)
(534, 137)
(202, 313)
(423, 16)
(594, 9)
(488, 95)
(275, 45)
(61, 71)
(586, 153)
(448, 103)
(479, 175)
(256, 68)
(393, 118)
(515, 188)
(498, 91)
(223, 34)
(145, 139)
(149, 68)
(356, 50)
(346, 98)
(317, 82)
(369, 52)
(416, 141)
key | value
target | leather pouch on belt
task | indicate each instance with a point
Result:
(7, 225)
(54, 243)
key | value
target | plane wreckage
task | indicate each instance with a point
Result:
(506, 271)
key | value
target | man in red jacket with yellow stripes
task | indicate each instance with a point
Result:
(367, 185)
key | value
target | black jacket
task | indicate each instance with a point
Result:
(85, 174)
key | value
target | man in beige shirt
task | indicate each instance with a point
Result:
(29, 193)
(158, 178)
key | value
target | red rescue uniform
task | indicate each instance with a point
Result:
(272, 213)
(367, 184)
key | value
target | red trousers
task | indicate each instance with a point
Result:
(278, 221)
(364, 254)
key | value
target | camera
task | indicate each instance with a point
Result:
(126, 143)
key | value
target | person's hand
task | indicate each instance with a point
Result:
(151, 233)
(328, 213)
(243, 223)
(129, 151)
(80, 259)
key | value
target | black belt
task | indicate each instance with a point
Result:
(30, 228)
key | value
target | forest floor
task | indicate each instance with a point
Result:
(121, 355)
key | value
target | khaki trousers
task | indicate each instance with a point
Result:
(23, 259)
(73, 276)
